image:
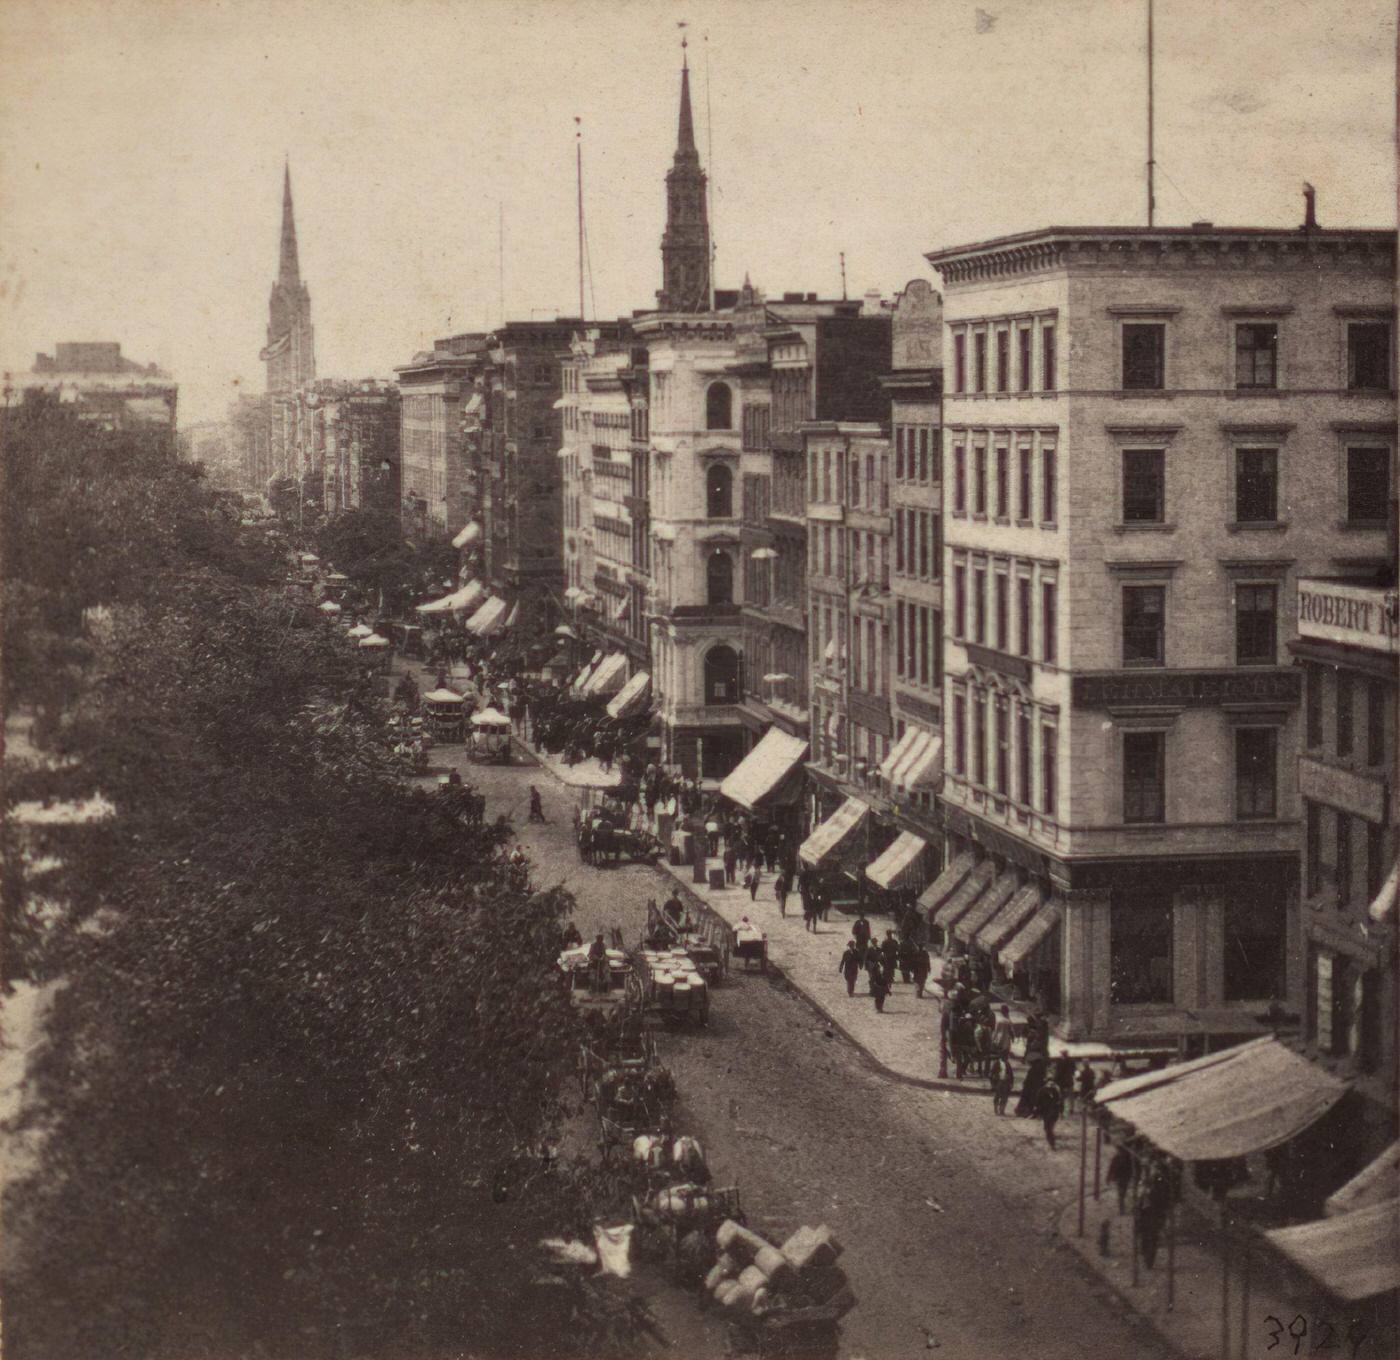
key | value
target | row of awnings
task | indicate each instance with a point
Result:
(914, 762)
(993, 910)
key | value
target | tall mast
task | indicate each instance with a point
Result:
(1151, 162)
(710, 182)
(578, 156)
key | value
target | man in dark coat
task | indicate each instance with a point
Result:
(849, 967)
(1050, 1105)
(889, 952)
(875, 971)
(860, 932)
(923, 966)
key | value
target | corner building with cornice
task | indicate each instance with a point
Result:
(1149, 436)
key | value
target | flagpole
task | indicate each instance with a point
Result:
(1151, 162)
(578, 148)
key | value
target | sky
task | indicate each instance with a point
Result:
(142, 144)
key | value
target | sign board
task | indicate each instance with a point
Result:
(1324, 1002)
(1185, 689)
(1356, 616)
(917, 339)
(1341, 788)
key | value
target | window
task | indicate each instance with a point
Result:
(1047, 490)
(1368, 485)
(935, 645)
(1023, 509)
(1023, 615)
(959, 734)
(959, 601)
(979, 361)
(1144, 356)
(979, 605)
(924, 544)
(719, 407)
(1256, 614)
(722, 675)
(1345, 715)
(1256, 773)
(979, 482)
(719, 578)
(1144, 493)
(899, 453)
(1144, 616)
(1003, 753)
(1144, 776)
(959, 481)
(1140, 947)
(960, 362)
(1002, 612)
(1003, 360)
(1368, 356)
(1047, 622)
(899, 636)
(1049, 788)
(1003, 483)
(1256, 354)
(1047, 358)
(1255, 939)
(719, 492)
(924, 622)
(1344, 878)
(899, 540)
(1375, 859)
(1023, 358)
(979, 737)
(1023, 756)
(925, 455)
(1375, 722)
(1312, 817)
(1312, 678)
(1256, 486)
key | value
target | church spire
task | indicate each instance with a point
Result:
(289, 271)
(685, 244)
(685, 136)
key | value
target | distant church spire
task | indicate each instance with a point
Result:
(289, 270)
(290, 353)
(685, 244)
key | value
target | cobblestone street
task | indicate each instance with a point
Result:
(947, 1215)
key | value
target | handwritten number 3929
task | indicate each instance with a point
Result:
(1298, 1330)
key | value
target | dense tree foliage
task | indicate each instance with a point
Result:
(368, 546)
(305, 1025)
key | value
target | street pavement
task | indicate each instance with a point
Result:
(949, 1215)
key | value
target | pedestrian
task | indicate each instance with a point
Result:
(907, 952)
(984, 1033)
(1003, 1033)
(889, 952)
(923, 966)
(1085, 1084)
(809, 913)
(1120, 1175)
(1050, 1105)
(874, 967)
(860, 930)
(712, 834)
(1003, 1080)
(849, 967)
(751, 881)
(536, 807)
(964, 1042)
(731, 859)
(1062, 1074)
(781, 885)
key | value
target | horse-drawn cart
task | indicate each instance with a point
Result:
(673, 989)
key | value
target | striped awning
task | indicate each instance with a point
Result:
(583, 677)
(489, 618)
(1383, 904)
(467, 535)
(610, 676)
(965, 896)
(899, 863)
(828, 838)
(765, 769)
(1001, 927)
(942, 887)
(924, 770)
(1353, 1257)
(1003, 889)
(1032, 933)
(1375, 1184)
(631, 696)
(902, 750)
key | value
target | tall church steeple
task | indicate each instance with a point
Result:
(290, 353)
(685, 244)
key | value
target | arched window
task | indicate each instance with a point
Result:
(722, 675)
(719, 407)
(719, 578)
(719, 492)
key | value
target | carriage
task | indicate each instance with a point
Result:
(490, 737)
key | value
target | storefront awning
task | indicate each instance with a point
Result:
(1245, 1099)
(964, 897)
(923, 771)
(943, 887)
(903, 749)
(631, 697)
(490, 618)
(1383, 904)
(586, 674)
(828, 838)
(610, 675)
(1356, 1256)
(899, 862)
(1378, 1182)
(464, 598)
(1003, 889)
(1001, 927)
(1019, 946)
(467, 535)
(574, 594)
(765, 769)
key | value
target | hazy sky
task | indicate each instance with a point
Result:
(140, 184)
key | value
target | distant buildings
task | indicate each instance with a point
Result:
(100, 385)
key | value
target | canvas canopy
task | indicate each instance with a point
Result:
(942, 887)
(489, 618)
(1003, 889)
(374, 642)
(1354, 1256)
(829, 837)
(465, 598)
(360, 630)
(763, 771)
(631, 696)
(329, 607)
(900, 752)
(1383, 904)
(468, 534)
(1019, 946)
(1378, 1182)
(1010, 918)
(610, 676)
(1245, 1099)
(442, 696)
(898, 862)
(490, 717)
(962, 899)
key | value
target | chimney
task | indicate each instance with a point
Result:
(1310, 208)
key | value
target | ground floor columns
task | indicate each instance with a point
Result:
(1084, 954)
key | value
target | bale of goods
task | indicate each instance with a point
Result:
(649, 1150)
(717, 1276)
(760, 1302)
(726, 1292)
(812, 1248)
(731, 1265)
(752, 1279)
(738, 1241)
(776, 1267)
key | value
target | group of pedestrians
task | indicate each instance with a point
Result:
(881, 960)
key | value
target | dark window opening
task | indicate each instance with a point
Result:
(1144, 776)
(1368, 485)
(1144, 489)
(719, 579)
(1256, 486)
(1255, 936)
(722, 675)
(1256, 354)
(1256, 773)
(1144, 625)
(1375, 721)
(1368, 356)
(1256, 626)
(1144, 356)
(719, 407)
(1140, 947)
(719, 492)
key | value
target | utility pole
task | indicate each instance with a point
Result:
(1151, 161)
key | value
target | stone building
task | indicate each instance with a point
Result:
(100, 385)
(1149, 436)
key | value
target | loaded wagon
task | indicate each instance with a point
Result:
(673, 989)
